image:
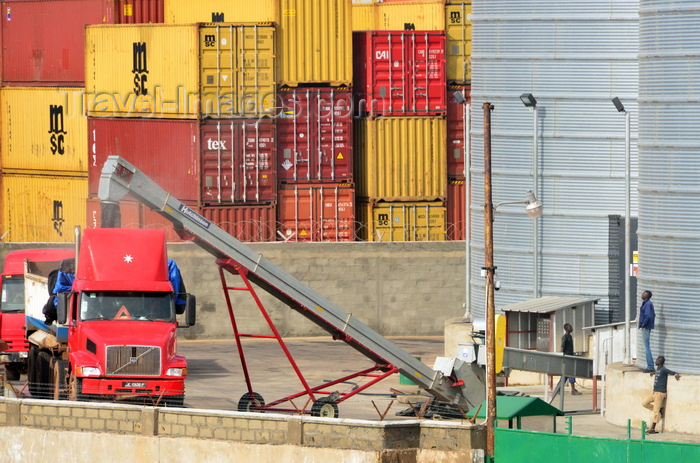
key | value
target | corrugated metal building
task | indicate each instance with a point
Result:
(669, 169)
(573, 57)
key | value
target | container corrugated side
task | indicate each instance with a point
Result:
(426, 16)
(44, 41)
(317, 212)
(456, 211)
(43, 128)
(167, 150)
(402, 221)
(315, 42)
(455, 130)
(401, 158)
(314, 133)
(41, 208)
(188, 11)
(239, 161)
(458, 31)
(249, 223)
(399, 73)
(180, 71)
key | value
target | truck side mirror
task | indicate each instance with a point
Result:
(191, 310)
(62, 307)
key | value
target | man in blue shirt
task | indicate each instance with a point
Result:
(655, 401)
(646, 324)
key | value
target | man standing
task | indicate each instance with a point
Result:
(646, 324)
(567, 347)
(655, 401)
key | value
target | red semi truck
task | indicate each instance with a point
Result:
(116, 331)
(14, 347)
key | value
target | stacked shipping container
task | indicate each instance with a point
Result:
(43, 154)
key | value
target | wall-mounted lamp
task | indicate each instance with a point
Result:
(528, 100)
(618, 104)
(533, 208)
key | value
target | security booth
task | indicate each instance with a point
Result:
(538, 324)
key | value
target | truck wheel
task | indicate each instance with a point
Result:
(59, 383)
(11, 372)
(31, 369)
(250, 403)
(325, 408)
(43, 376)
(75, 389)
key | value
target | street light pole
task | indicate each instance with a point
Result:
(490, 275)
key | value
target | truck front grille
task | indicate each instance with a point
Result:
(133, 360)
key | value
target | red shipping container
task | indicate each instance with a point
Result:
(43, 41)
(455, 130)
(314, 132)
(135, 215)
(456, 209)
(238, 161)
(164, 149)
(400, 73)
(317, 212)
(250, 223)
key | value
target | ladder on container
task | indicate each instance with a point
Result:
(462, 387)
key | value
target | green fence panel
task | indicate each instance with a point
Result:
(519, 446)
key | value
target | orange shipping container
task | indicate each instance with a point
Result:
(43, 129)
(250, 223)
(401, 158)
(41, 208)
(399, 221)
(317, 212)
(456, 211)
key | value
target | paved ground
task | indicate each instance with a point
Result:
(216, 382)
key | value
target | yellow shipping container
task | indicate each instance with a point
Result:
(180, 71)
(401, 158)
(42, 208)
(399, 221)
(196, 11)
(43, 128)
(458, 42)
(315, 42)
(418, 16)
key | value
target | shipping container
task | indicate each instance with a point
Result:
(43, 42)
(134, 214)
(400, 73)
(401, 158)
(42, 208)
(401, 221)
(43, 129)
(180, 71)
(456, 209)
(314, 132)
(238, 161)
(219, 11)
(167, 150)
(455, 129)
(249, 223)
(408, 16)
(315, 42)
(317, 212)
(458, 31)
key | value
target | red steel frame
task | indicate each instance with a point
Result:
(236, 269)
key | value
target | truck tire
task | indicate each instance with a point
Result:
(31, 370)
(59, 378)
(75, 389)
(43, 376)
(12, 371)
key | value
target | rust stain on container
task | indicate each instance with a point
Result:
(317, 212)
(402, 221)
(401, 158)
(41, 208)
(43, 128)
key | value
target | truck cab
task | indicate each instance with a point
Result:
(116, 332)
(14, 347)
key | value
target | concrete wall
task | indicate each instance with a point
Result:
(626, 388)
(395, 288)
(35, 430)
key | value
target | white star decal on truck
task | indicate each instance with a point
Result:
(128, 258)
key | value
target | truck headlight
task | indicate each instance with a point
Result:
(87, 371)
(176, 372)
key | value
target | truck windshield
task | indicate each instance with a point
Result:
(12, 294)
(127, 305)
